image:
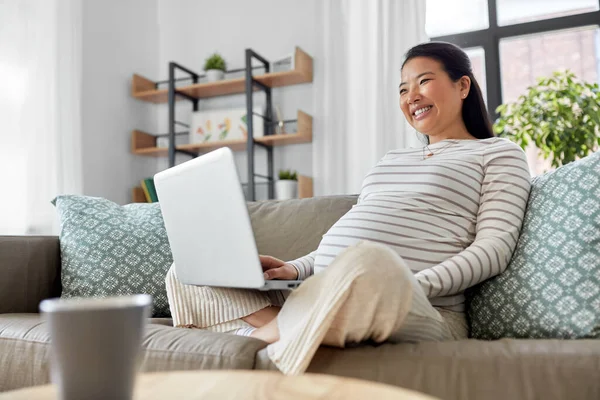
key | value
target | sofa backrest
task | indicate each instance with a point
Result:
(293, 228)
(30, 265)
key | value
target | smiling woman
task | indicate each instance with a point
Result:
(440, 96)
(427, 226)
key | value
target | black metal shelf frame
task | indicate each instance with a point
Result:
(172, 92)
(250, 83)
(269, 124)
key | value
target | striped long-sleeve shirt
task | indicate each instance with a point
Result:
(454, 217)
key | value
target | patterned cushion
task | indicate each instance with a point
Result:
(551, 288)
(110, 250)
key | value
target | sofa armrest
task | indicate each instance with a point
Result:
(29, 272)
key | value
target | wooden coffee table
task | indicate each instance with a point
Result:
(196, 385)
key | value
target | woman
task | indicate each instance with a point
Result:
(429, 223)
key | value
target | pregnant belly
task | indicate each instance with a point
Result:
(419, 242)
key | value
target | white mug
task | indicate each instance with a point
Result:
(95, 344)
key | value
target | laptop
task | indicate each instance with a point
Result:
(208, 226)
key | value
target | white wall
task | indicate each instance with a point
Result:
(190, 30)
(119, 38)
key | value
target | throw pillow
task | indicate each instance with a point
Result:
(112, 250)
(551, 288)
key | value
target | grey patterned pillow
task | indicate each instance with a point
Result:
(110, 250)
(551, 288)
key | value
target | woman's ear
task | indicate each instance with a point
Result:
(465, 86)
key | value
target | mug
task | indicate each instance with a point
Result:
(95, 344)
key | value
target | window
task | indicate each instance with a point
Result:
(477, 56)
(519, 11)
(513, 42)
(443, 17)
(523, 59)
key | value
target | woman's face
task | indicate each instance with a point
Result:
(430, 100)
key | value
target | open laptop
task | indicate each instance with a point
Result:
(208, 226)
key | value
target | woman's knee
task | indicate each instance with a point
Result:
(369, 257)
(371, 265)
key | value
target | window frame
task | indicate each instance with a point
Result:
(490, 38)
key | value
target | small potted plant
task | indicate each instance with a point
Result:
(287, 185)
(560, 115)
(215, 67)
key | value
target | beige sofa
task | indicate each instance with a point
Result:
(467, 369)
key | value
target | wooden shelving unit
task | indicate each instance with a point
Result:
(145, 89)
(144, 144)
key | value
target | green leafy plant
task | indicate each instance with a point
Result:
(288, 175)
(560, 114)
(215, 61)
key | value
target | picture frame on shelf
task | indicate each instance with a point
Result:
(286, 63)
(209, 126)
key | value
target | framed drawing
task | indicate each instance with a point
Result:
(227, 124)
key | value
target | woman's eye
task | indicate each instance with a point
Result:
(402, 91)
(424, 80)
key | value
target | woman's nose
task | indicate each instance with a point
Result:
(413, 96)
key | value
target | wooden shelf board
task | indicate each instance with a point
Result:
(222, 88)
(144, 144)
(303, 73)
(284, 139)
(235, 145)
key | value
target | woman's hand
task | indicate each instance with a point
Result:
(274, 268)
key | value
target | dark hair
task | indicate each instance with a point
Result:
(457, 64)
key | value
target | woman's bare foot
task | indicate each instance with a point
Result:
(262, 317)
(268, 333)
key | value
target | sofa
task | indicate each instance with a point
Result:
(30, 271)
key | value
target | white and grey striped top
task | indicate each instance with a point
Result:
(454, 217)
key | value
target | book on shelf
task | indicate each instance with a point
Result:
(149, 190)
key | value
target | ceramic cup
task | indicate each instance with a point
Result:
(95, 344)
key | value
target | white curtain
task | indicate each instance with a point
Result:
(357, 117)
(40, 118)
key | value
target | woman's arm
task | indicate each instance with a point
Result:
(504, 195)
(304, 265)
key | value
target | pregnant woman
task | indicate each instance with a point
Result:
(429, 223)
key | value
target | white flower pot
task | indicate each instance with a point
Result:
(214, 75)
(286, 189)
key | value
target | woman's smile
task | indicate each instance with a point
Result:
(421, 112)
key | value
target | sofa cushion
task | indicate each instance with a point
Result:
(551, 288)
(24, 350)
(470, 369)
(112, 250)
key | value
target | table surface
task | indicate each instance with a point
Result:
(241, 385)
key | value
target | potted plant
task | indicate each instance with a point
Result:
(215, 67)
(287, 185)
(560, 115)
